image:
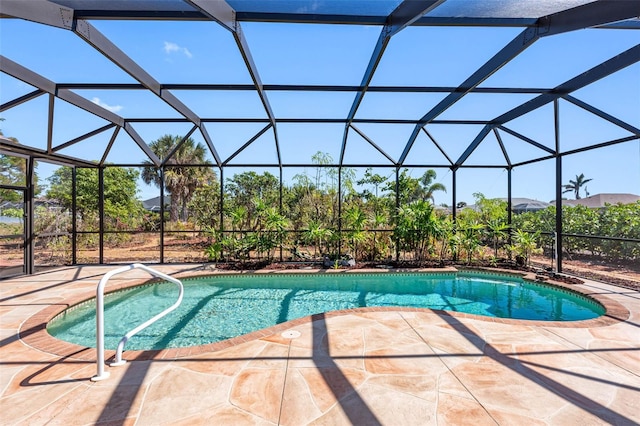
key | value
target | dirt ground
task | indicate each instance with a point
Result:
(625, 274)
(190, 250)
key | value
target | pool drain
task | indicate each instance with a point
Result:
(291, 334)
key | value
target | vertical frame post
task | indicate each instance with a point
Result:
(74, 215)
(454, 206)
(29, 231)
(509, 207)
(222, 206)
(395, 215)
(556, 117)
(339, 210)
(101, 214)
(280, 212)
(161, 171)
(558, 233)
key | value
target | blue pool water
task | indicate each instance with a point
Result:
(221, 307)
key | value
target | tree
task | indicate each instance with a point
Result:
(13, 171)
(315, 198)
(180, 181)
(575, 185)
(356, 220)
(524, 245)
(429, 187)
(205, 206)
(371, 179)
(412, 189)
(250, 192)
(120, 189)
(416, 225)
(376, 180)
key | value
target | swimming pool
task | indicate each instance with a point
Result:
(220, 307)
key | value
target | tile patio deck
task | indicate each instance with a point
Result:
(365, 367)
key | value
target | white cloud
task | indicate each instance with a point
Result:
(170, 48)
(98, 102)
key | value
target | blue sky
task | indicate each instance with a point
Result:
(203, 52)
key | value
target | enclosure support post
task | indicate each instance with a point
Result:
(28, 219)
(74, 222)
(339, 211)
(101, 213)
(161, 214)
(396, 212)
(509, 206)
(280, 212)
(558, 232)
(454, 206)
(221, 204)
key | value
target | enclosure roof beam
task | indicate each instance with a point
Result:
(11, 148)
(225, 15)
(606, 68)
(209, 142)
(107, 150)
(303, 88)
(373, 144)
(601, 145)
(46, 12)
(97, 40)
(83, 137)
(628, 127)
(176, 147)
(249, 142)
(615, 64)
(527, 140)
(442, 151)
(219, 11)
(41, 11)
(49, 13)
(26, 75)
(405, 14)
(502, 147)
(24, 98)
(523, 40)
(588, 15)
(473, 145)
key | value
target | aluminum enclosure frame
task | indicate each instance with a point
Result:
(598, 14)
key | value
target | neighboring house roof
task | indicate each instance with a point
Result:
(518, 200)
(153, 204)
(10, 205)
(601, 200)
(529, 206)
(520, 205)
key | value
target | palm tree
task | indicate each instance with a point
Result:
(428, 187)
(525, 244)
(356, 220)
(575, 185)
(180, 182)
(497, 230)
(414, 189)
(317, 233)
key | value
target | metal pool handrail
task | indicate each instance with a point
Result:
(101, 374)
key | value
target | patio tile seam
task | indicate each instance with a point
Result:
(590, 352)
(53, 402)
(284, 382)
(451, 370)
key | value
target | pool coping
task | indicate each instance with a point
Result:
(34, 334)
